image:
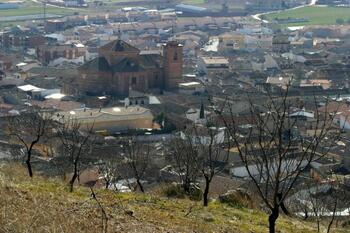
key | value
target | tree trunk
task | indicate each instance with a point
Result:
(71, 182)
(333, 216)
(186, 186)
(206, 191)
(74, 177)
(272, 219)
(29, 165)
(283, 207)
(329, 227)
(107, 184)
(306, 212)
(140, 185)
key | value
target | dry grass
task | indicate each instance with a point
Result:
(45, 205)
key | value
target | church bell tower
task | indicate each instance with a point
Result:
(173, 60)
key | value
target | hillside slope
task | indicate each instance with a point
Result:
(45, 205)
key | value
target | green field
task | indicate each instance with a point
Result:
(10, 24)
(193, 2)
(33, 10)
(317, 15)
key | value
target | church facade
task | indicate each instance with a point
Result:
(121, 67)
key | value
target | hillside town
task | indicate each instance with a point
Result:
(216, 98)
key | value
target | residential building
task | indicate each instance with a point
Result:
(229, 42)
(136, 98)
(48, 53)
(202, 135)
(281, 82)
(211, 66)
(324, 83)
(20, 37)
(6, 63)
(54, 25)
(74, 3)
(281, 44)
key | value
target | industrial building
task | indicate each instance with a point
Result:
(112, 120)
(189, 9)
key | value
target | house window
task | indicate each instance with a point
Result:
(133, 80)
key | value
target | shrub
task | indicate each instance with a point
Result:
(196, 193)
(237, 198)
(176, 191)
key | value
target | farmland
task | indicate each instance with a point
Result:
(316, 15)
(34, 10)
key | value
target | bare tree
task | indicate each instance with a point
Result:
(306, 203)
(212, 155)
(29, 128)
(209, 143)
(137, 155)
(315, 204)
(327, 200)
(273, 153)
(109, 171)
(76, 141)
(186, 161)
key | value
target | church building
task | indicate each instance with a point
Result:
(121, 67)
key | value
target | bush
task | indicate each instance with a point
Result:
(176, 191)
(346, 224)
(196, 193)
(237, 198)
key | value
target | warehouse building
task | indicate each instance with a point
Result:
(189, 10)
(112, 120)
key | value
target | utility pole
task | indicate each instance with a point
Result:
(44, 16)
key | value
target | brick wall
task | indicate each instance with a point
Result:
(173, 60)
